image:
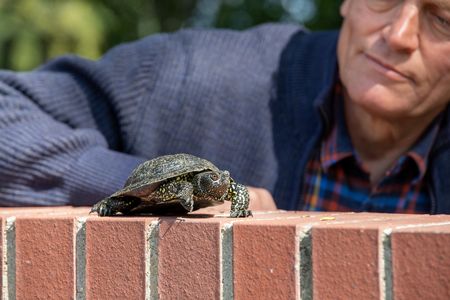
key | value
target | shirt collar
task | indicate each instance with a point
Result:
(337, 145)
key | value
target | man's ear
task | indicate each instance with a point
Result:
(345, 6)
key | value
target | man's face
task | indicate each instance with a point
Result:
(394, 56)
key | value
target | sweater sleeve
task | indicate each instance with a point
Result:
(72, 130)
(64, 126)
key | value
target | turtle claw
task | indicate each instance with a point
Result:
(112, 205)
(188, 204)
(241, 213)
(103, 208)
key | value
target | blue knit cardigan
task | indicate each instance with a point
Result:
(253, 102)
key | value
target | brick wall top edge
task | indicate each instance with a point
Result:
(388, 221)
(430, 227)
(51, 210)
(280, 217)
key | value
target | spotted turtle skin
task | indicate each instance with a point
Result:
(175, 184)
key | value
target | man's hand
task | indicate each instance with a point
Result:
(260, 199)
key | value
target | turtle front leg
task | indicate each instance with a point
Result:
(112, 205)
(239, 197)
(179, 190)
(186, 195)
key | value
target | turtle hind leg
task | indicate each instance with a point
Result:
(239, 197)
(112, 205)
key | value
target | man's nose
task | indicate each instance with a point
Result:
(402, 33)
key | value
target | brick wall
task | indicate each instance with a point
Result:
(63, 253)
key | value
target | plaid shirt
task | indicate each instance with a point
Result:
(336, 179)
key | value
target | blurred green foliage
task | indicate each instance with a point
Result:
(33, 31)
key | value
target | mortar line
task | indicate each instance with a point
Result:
(80, 258)
(304, 263)
(226, 262)
(9, 260)
(151, 261)
(385, 265)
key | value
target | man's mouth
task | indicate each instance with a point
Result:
(388, 70)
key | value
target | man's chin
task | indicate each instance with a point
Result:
(383, 105)
(386, 100)
(386, 110)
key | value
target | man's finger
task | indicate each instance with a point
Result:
(261, 199)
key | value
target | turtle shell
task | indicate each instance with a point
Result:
(148, 175)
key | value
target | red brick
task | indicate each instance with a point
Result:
(345, 252)
(45, 258)
(115, 257)
(345, 263)
(346, 257)
(421, 262)
(275, 242)
(189, 259)
(264, 261)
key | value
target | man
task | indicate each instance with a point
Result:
(387, 148)
(269, 104)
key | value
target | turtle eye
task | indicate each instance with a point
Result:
(214, 176)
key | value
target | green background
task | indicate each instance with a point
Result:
(33, 31)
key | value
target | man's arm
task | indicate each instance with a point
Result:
(66, 126)
(61, 128)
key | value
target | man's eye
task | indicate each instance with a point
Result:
(440, 24)
(442, 21)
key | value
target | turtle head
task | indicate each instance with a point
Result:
(212, 184)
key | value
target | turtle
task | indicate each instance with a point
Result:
(175, 184)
